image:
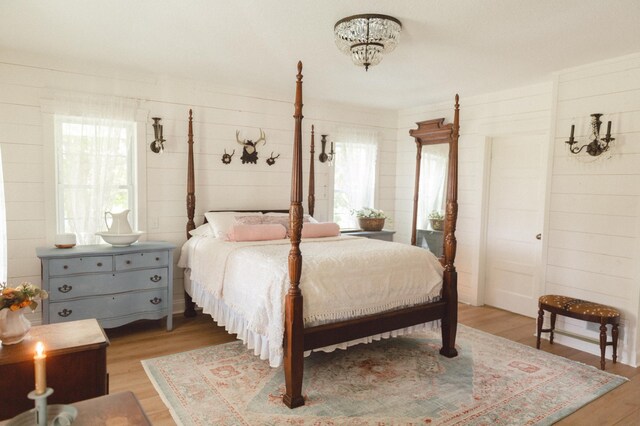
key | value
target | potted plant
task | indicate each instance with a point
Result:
(370, 219)
(436, 219)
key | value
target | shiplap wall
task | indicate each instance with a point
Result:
(594, 206)
(27, 82)
(525, 110)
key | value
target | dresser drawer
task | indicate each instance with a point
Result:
(80, 265)
(109, 306)
(141, 260)
(63, 288)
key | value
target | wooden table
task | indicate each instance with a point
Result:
(119, 409)
(76, 365)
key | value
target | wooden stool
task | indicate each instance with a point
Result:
(583, 310)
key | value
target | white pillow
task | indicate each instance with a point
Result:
(221, 222)
(204, 230)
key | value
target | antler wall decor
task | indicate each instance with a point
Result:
(249, 153)
(226, 158)
(272, 160)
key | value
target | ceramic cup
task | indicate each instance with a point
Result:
(65, 240)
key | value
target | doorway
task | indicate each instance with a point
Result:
(515, 216)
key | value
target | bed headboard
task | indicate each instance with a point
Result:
(247, 211)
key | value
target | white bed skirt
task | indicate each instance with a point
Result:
(235, 323)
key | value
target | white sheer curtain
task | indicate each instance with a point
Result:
(95, 163)
(356, 152)
(3, 229)
(433, 178)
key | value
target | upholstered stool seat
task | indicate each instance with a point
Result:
(583, 310)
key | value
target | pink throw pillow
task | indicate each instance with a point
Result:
(257, 232)
(322, 229)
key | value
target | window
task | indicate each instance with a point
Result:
(354, 177)
(95, 173)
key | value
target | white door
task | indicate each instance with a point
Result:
(515, 218)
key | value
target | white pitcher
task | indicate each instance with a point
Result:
(119, 223)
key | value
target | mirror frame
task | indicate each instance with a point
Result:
(431, 132)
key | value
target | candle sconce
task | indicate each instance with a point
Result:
(157, 145)
(324, 156)
(597, 145)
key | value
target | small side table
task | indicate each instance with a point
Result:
(76, 365)
(384, 235)
(122, 408)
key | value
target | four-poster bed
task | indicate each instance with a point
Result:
(301, 335)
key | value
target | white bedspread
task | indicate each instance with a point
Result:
(342, 277)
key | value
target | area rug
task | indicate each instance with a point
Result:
(400, 381)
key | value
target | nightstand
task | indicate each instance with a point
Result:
(384, 235)
(115, 285)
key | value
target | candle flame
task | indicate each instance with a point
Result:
(39, 348)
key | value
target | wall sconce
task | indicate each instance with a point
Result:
(597, 146)
(324, 157)
(157, 145)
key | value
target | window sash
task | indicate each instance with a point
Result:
(97, 157)
(355, 175)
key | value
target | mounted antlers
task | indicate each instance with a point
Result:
(249, 153)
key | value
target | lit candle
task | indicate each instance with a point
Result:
(40, 369)
(573, 127)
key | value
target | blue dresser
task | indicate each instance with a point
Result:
(115, 285)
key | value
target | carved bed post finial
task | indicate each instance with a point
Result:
(293, 324)
(189, 306)
(312, 180)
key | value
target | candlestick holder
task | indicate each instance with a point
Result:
(41, 405)
(43, 414)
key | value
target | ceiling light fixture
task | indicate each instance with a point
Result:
(367, 37)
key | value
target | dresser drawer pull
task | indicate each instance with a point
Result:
(65, 288)
(155, 300)
(157, 259)
(155, 278)
(99, 264)
(65, 312)
(128, 262)
(65, 267)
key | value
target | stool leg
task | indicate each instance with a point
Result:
(553, 327)
(540, 320)
(614, 335)
(603, 341)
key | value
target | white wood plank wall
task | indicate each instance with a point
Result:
(218, 112)
(594, 209)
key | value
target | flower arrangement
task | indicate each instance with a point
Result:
(436, 219)
(436, 215)
(19, 297)
(369, 213)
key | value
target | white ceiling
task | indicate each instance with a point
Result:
(447, 46)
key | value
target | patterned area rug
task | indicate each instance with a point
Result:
(391, 382)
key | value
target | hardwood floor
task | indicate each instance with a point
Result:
(148, 339)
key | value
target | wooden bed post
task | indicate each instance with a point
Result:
(293, 324)
(189, 306)
(450, 285)
(416, 191)
(312, 172)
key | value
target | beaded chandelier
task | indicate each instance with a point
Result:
(367, 37)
